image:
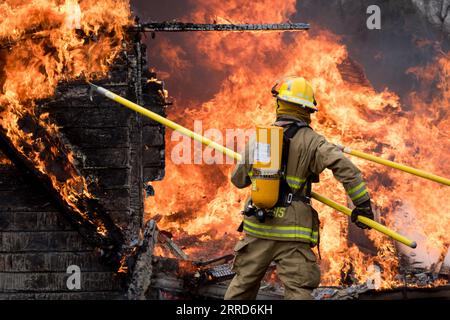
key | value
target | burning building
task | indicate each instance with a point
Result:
(72, 169)
(77, 170)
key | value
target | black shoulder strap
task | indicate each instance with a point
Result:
(292, 129)
(289, 133)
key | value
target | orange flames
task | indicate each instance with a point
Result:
(43, 42)
(201, 207)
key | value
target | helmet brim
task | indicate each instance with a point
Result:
(298, 101)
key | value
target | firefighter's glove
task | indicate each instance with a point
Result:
(365, 210)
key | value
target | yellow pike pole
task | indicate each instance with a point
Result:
(156, 117)
(368, 222)
(395, 165)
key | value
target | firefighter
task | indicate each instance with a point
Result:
(286, 233)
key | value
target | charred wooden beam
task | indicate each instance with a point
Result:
(168, 243)
(189, 279)
(183, 26)
(403, 293)
(84, 212)
(172, 278)
(216, 261)
(143, 267)
(37, 34)
(166, 287)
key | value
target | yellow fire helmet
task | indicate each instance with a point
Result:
(295, 90)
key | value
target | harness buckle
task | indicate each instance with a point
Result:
(261, 215)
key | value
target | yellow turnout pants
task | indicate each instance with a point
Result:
(296, 268)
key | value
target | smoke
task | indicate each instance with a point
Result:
(189, 82)
(406, 40)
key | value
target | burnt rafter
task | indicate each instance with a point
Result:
(85, 213)
(174, 26)
(183, 26)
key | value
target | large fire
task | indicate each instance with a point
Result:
(201, 208)
(43, 42)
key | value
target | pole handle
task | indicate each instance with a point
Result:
(368, 222)
(417, 172)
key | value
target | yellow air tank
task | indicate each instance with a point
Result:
(266, 166)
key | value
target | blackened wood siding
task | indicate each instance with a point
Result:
(110, 144)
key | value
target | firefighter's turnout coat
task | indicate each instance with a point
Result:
(309, 155)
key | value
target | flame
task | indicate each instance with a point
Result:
(48, 41)
(4, 161)
(201, 207)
